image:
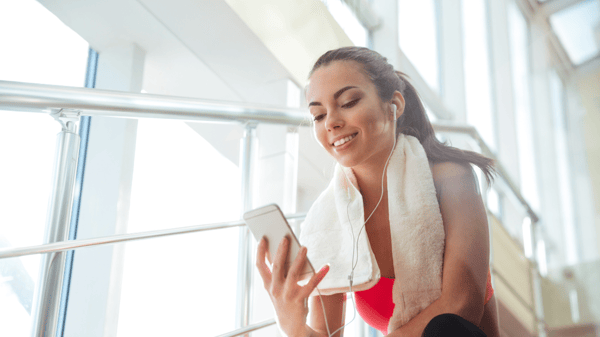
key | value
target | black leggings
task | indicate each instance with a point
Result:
(451, 325)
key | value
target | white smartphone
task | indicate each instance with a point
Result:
(269, 221)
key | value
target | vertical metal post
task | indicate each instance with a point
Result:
(48, 292)
(84, 132)
(244, 283)
(537, 284)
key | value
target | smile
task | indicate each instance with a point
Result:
(344, 140)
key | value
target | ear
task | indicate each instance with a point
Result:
(398, 101)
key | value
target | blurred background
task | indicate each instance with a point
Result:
(524, 73)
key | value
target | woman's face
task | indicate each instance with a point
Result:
(350, 121)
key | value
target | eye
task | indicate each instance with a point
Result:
(351, 104)
(318, 117)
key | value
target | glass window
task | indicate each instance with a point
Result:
(432, 117)
(576, 28)
(353, 327)
(493, 201)
(357, 33)
(519, 52)
(185, 285)
(38, 49)
(477, 70)
(562, 164)
(187, 282)
(418, 38)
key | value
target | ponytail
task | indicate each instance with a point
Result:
(414, 122)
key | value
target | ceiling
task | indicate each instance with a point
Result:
(577, 29)
(575, 26)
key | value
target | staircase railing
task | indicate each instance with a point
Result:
(68, 104)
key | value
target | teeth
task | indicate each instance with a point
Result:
(343, 140)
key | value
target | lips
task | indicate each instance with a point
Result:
(344, 140)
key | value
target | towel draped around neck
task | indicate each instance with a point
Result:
(417, 232)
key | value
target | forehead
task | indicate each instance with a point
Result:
(330, 78)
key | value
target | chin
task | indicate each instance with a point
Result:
(346, 162)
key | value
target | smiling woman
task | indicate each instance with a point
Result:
(368, 75)
(349, 122)
(425, 205)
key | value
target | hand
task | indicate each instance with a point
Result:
(289, 299)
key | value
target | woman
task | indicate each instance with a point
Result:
(362, 109)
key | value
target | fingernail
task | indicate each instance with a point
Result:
(323, 271)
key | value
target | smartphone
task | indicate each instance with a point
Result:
(269, 221)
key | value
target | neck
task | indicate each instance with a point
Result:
(369, 181)
(369, 176)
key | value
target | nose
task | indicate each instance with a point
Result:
(333, 120)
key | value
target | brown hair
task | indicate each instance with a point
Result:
(414, 120)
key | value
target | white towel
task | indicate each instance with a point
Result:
(416, 229)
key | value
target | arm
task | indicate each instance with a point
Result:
(466, 252)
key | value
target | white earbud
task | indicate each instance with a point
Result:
(394, 108)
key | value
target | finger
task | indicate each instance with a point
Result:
(315, 280)
(262, 267)
(269, 256)
(280, 259)
(297, 266)
(266, 240)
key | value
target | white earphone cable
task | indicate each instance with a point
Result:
(355, 242)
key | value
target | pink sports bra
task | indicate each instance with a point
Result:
(375, 305)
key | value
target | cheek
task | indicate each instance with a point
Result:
(371, 122)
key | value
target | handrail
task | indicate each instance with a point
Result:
(249, 328)
(80, 243)
(515, 293)
(513, 290)
(95, 102)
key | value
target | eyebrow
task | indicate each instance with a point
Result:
(335, 96)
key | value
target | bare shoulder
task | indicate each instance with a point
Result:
(454, 177)
(449, 169)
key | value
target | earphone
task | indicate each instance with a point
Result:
(353, 264)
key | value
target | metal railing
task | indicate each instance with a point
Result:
(95, 102)
(82, 243)
(249, 328)
(67, 104)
